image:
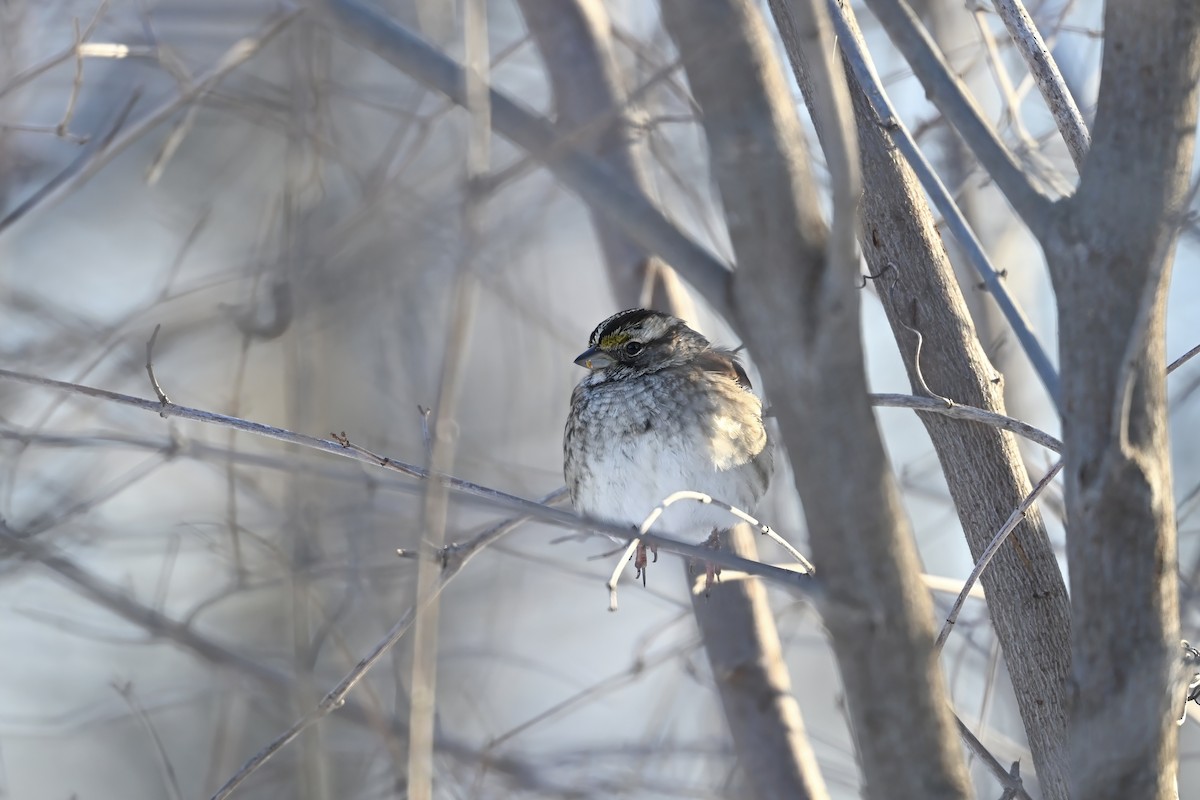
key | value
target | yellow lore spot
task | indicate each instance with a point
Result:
(614, 340)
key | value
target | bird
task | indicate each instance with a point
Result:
(662, 410)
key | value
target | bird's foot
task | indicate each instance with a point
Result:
(712, 573)
(640, 560)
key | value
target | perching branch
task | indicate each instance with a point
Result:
(341, 446)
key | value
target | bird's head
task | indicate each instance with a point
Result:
(639, 341)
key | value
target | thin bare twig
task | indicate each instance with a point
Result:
(1011, 780)
(453, 559)
(426, 433)
(340, 445)
(158, 390)
(918, 375)
(626, 557)
(1031, 148)
(331, 702)
(118, 602)
(52, 130)
(947, 91)
(77, 506)
(993, 547)
(76, 84)
(91, 150)
(938, 405)
(621, 678)
(454, 555)
(1183, 359)
(22, 78)
(585, 135)
(181, 254)
(160, 750)
(171, 144)
(84, 168)
(160, 626)
(697, 497)
(1049, 80)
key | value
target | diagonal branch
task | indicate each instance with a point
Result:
(86, 167)
(595, 183)
(859, 64)
(954, 100)
(1049, 80)
(160, 626)
(118, 602)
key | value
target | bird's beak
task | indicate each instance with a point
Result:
(594, 358)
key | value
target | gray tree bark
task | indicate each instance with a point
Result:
(1110, 248)
(742, 642)
(800, 316)
(1027, 596)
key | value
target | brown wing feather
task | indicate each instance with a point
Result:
(725, 363)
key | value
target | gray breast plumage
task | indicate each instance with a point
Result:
(630, 443)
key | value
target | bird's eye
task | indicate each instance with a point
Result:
(633, 348)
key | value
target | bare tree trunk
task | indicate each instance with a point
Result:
(800, 316)
(1110, 249)
(736, 624)
(1027, 597)
(742, 642)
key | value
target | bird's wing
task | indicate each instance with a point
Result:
(723, 362)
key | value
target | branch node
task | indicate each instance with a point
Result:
(1000, 275)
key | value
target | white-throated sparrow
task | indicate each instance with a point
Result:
(661, 411)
